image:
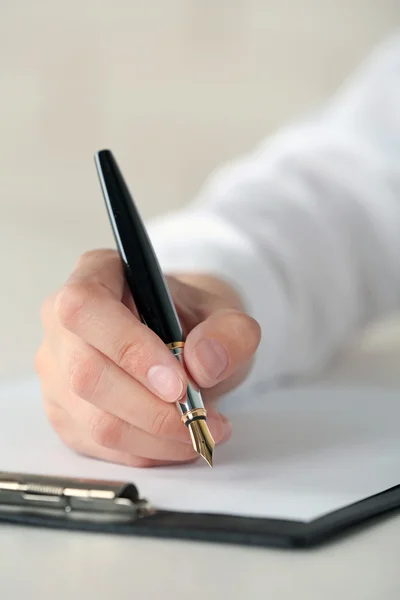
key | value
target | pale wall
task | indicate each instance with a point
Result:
(173, 87)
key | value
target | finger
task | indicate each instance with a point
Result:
(124, 458)
(103, 267)
(97, 266)
(47, 314)
(222, 345)
(89, 435)
(99, 381)
(93, 312)
(108, 431)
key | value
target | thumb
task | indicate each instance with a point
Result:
(219, 349)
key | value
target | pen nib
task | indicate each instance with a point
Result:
(202, 439)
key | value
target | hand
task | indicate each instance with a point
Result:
(110, 384)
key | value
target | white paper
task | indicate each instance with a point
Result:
(295, 454)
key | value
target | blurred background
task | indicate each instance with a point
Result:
(174, 87)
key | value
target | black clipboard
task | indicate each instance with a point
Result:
(37, 505)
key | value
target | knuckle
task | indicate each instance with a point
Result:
(164, 423)
(243, 326)
(238, 320)
(100, 254)
(106, 430)
(88, 256)
(85, 374)
(70, 301)
(66, 425)
(132, 355)
(47, 311)
(253, 331)
(55, 416)
(59, 420)
(39, 361)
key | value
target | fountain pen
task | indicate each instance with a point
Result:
(150, 291)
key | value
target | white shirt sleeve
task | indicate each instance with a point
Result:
(308, 226)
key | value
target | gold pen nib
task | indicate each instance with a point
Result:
(202, 439)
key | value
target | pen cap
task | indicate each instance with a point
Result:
(142, 270)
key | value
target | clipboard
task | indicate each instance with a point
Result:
(117, 508)
(332, 455)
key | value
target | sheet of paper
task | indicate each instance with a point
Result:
(295, 454)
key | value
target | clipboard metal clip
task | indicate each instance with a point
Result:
(72, 498)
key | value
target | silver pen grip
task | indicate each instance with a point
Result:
(191, 406)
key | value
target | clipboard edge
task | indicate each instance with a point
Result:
(228, 529)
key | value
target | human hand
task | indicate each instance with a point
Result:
(110, 384)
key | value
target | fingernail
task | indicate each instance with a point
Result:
(166, 382)
(212, 357)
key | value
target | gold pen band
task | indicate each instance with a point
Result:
(174, 345)
(193, 415)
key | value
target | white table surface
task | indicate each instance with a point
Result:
(62, 565)
(363, 565)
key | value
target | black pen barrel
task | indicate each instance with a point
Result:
(142, 270)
